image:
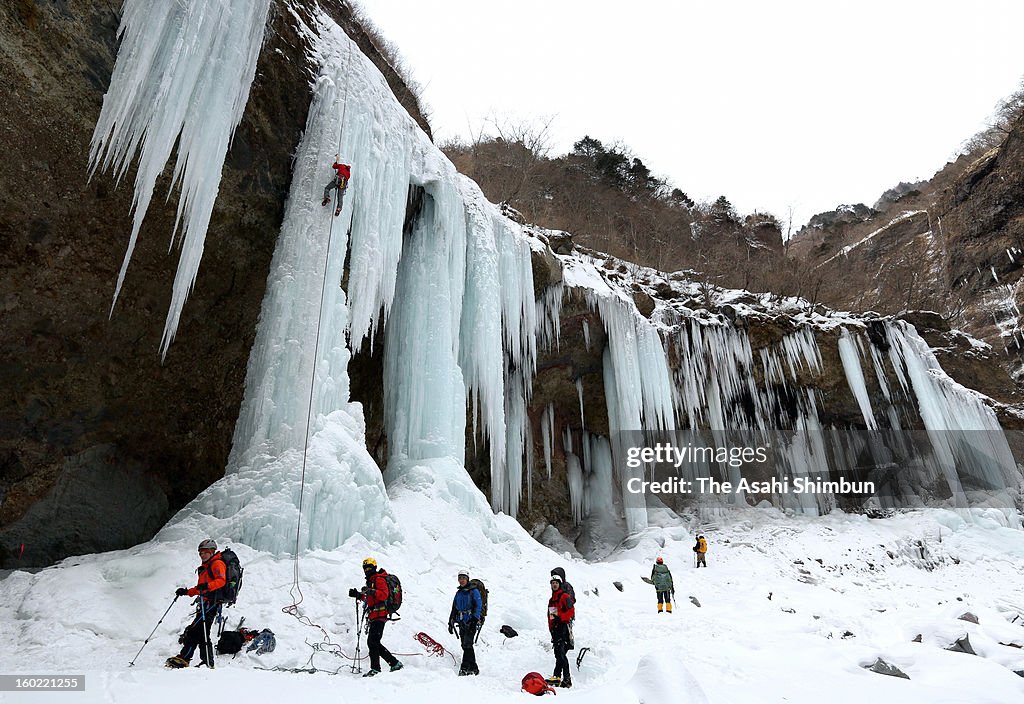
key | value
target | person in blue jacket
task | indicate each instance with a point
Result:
(466, 607)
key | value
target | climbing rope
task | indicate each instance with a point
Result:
(295, 592)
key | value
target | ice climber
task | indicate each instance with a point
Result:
(466, 608)
(701, 551)
(662, 580)
(375, 596)
(342, 172)
(560, 614)
(212, 578)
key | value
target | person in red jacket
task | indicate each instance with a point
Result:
(374, 595)
(212, 577)
(342, 172)
(561, 611)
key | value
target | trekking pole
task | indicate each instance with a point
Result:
(132, 663)
(356, 667)
(209, 645)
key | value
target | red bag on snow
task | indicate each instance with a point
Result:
(534, 683)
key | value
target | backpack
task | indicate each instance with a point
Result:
(394, 601)
(230, 642)
(233, 572)
(572, 592)
(479, 586)
(534, 683)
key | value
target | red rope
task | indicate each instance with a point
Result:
(432, 646)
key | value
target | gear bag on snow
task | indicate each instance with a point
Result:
(264, 642)
(533, 682)
(479, 586)
(233, 574)
(230, 642)
(394, 601)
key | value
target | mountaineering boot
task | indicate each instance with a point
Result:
(371, 672)
(668, 607)
(337, 211)
(463, 672)
(660, 607)
(553, 680)
(475, 671)
(566, 683)
(326, 201)
(176, 662)
(397, 666)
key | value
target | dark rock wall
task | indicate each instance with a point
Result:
(90, 418)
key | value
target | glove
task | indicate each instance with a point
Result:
(353, 593)
(365, 591)
(451, 627)
(181, 591)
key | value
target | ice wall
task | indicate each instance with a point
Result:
(182, 77)
(432, 263)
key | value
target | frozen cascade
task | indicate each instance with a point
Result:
(574, 475)
(547, 433)
(579, 393)
(964, 432)
(182, 76)
(850, 355)
(344, 491)
(424, 393)
(449, 281)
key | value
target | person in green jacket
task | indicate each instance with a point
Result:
(662, 580)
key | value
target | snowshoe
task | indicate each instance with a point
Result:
(176, 662)
(371, 673)
(397, 666)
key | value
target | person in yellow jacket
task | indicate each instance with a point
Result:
(701, 550)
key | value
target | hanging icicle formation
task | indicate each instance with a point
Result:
(182, 77)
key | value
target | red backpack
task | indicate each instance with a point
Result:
(534, 683)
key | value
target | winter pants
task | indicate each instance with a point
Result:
(197, 635)
(467, 631)
(664, 597)
(560, 641)
(378, 651)
(335, 183)
(700, 559)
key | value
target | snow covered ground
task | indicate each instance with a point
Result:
(791, 608)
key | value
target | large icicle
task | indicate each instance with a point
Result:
(850, 356)
(182, 75)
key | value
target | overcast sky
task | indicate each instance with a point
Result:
(775, 104)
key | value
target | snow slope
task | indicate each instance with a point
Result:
(91, 614)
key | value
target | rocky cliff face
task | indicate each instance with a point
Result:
(951, 244)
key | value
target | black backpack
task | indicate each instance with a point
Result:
(233, 572)
(479, 586)
(394, 601)
(230, 642)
